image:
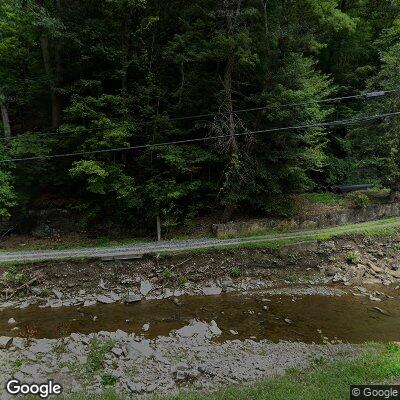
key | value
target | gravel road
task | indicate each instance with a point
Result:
(137, 249)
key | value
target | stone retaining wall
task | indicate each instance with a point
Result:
(348, 216)
(52, 222)
(4, 224)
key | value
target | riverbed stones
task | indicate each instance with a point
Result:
(24, 304)
(89, 303)
(41, 346)
(54, 303)
(145, 287)
(212, 290)
(102, 285)
(132, 298)
(117, 351)
(214, 329)
(58, 294)
(11, 321)
(104, 299)
(142, 347)
(5, 342)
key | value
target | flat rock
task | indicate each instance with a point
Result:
(132, 298)
(212, 290)
(214, 329)
(25, 304)
(395, 274)
(373, 298)
(55, 303)
(145, 287)
(58, 294)
(41, 346)
(102, 284)
(142, 347)
(89, 303)
(116, 351)
(5, 342)
(135, 387)
(195, 328)
(105, 299)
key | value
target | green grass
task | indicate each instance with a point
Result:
(83, 243)
(15, 263)
(97, 352)
(271, 241)
(323, 380)
(323, 198)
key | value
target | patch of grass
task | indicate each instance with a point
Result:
(15, 263)
(12, 276)
(323, 380)
(235, 272)
(376, 228)
(182, 280)
(358, 199)
(167, 274)
(323, 198)
(18, 363)
(353, 257)
(382, 232)
(83, 243)
(97, 351)
(292, 278)
(108, 380)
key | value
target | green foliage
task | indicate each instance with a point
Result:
(235, 272)
(323, 198)
(353, 257)
(12, 276)
(7, 194)
(358, 199)
(116, 76)
(108, 380)
(97, 351)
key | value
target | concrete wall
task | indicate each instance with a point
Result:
(348, 216)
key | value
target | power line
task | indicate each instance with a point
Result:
(367, 95)
(207, 138)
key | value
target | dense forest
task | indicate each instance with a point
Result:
(229, 105)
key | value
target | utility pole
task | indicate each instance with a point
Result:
(158, 227)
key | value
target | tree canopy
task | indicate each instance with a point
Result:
(82, 77)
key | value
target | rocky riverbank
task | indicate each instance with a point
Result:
(187, 359)
(211, 351)
(354, 261)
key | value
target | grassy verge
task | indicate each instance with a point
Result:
(101, 242)
(267, 241)
(324, 198)
(380, 364)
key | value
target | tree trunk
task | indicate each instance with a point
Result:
(233, 145)
(55, 100)
(232, 16)
(6, 121)
(158, 228)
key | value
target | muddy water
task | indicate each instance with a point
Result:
(347, 318)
